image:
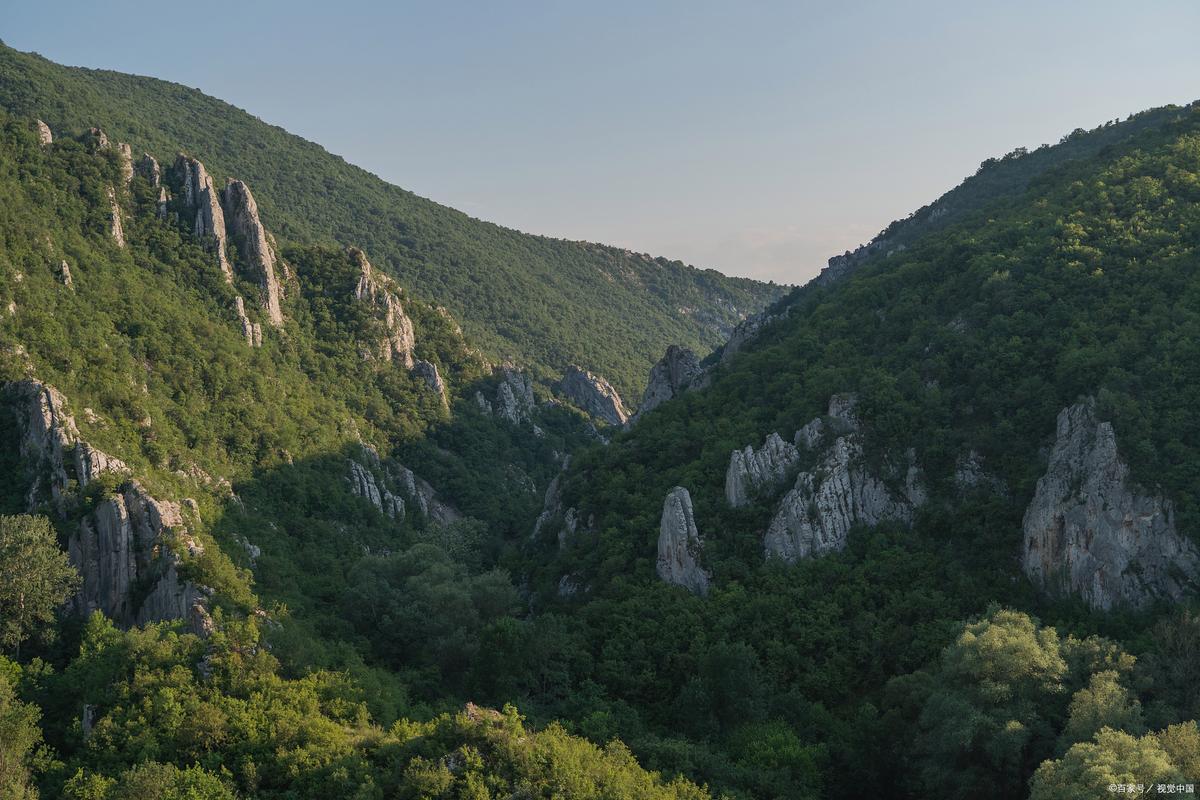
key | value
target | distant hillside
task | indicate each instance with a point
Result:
(545, 301)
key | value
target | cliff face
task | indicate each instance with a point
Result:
(128, 545)
(199, 197)
(669, 378)
(593, 394)
(244, 225)
(1090, 532)
(383, 297)
(753, 470)
(679, 544)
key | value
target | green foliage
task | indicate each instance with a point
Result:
(19, 738)
(35, 578)
(547, 302)
(1118, 758)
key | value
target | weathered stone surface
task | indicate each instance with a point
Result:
(825, 503)
(200, 196)
(51, 445)
(811, 435)
(593, 394)
(147, 166)
(669, 378)
(96, 139)
(251, 330)
(514, 400)
(124, 547)
(125, 159)
(44, 134)
(751, 471)
(364, 485)
(1089, 531)
(244, 225)
(399, 338)
(64, 274)
(679, 544)
(428, 372)
(116, 229)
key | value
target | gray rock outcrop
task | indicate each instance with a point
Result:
(116, 229)
(127, 547)
(378, 291)
(593, 394)
(243, 224)
(751, 471)
(815, 517)
(147, 167)
(428, 372)
(64, 274)
(1089, 531)
(364, 485)
(669, 378)
(514, 400)
(251, 330)
(394, 488)
(201, 199)
(125, 159)
(44, 134)
(96, 140)
(679, 544)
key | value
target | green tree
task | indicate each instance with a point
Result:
(1114, 757)
(1103, 703)
(35, 578)
(19, 738)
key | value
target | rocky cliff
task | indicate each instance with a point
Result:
(199, 198)
(679, 544)
(256, 255)
(513, 399)
(593, 394)
(128, 546)
(669, 378)
(383, 297)
(751, 471)
(394, 489)
(1091, 532)
(816, 515)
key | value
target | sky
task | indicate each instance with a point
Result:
(757, 138)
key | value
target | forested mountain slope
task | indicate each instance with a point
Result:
(544, 302)
(1001, 412)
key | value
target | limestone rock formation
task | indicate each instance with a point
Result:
(364, 485)
(378, 291)
(127, 547)
(44, 134)
(125, 158)
(826, 502)
(1091, 532)
(594, 395)
(95, 139)
(251, 330)
(244, 225)
(116, 230)
(64, 274)
(669, 378)
(679, 544)
(147, 166)
(200, 197)
(514, 399)
(51, 444)
(751, 471)
(428, 372)
(126, 542)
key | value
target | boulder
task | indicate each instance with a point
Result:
(751, 471)
(669, 378)
(254, 248)
(679, 544)
(1091, 532)
(593, 394)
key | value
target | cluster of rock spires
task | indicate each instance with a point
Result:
(392, 487)
(128, 548)
(379, 292)
(593, 394)
(1090, 532)
(513, 400)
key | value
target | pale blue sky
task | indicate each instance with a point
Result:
(758, 138)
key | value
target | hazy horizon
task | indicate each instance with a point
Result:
(756, 141)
